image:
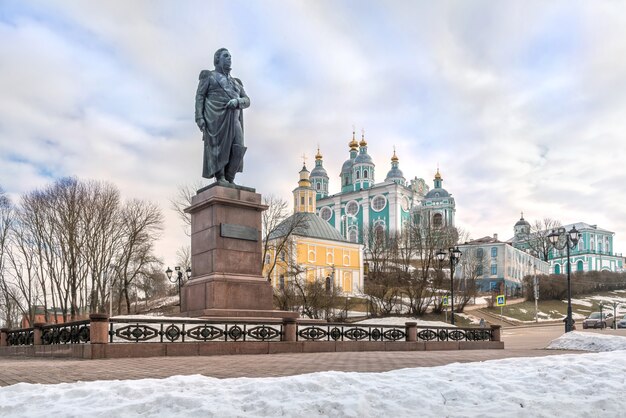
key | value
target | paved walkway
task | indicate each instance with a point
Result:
(519, 342)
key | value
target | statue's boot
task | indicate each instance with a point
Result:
(219, 177)
(235, 164)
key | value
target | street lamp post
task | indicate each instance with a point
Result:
(179, 279)
(454, 254)
(560, 240)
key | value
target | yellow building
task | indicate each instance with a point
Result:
(309, 248)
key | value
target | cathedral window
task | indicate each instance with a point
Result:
(353, 235)
(358, 175)
(302, 200)
(326, 213)
(365, 174)
(352, 208)
(437, 220)
(317, 185)
(378, 203)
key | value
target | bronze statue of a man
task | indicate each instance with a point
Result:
(220, 100)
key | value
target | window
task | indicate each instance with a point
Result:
(579, 265)
(353, 235)
(479, 270)
(326, 213)
(282, 256)
(557, 269)
(405, 204)
(479, 253)
(494, 251)
(281, 282)
(317, 185)
(378, 203)
(310, 201)
(364, 174)
(302, 200)
(358, 175)
(494, 269)
(437, 220)
(379, 230)
(352, 208)
(267, 258)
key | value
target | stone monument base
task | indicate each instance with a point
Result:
(226, 280)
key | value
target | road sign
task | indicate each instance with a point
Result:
(500, 300)
(446, 301)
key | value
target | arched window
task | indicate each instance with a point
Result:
(358, 175)
(317, 185)
(437, 220)
(579, 266)
(557, 269)
(353, 235)
(364, 174)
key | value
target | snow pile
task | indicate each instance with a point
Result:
(551, 386)
(587, 341)
(400, 321)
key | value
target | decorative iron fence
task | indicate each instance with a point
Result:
(343, 332)
(25, 336)
(454, 334)
(191, 331)
(70, 333)
(163, 330)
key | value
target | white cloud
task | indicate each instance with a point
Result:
(521, 106)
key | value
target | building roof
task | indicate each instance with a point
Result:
(433, 193)
(310, 226)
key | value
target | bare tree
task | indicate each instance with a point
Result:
(278, 229)
(538, 241)
(182, 200)
(471, 267)
(141, 224)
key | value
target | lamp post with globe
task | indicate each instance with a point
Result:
(560, 239)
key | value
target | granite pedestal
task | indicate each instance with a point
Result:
(226, 254)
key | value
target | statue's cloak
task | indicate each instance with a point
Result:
(222, 126)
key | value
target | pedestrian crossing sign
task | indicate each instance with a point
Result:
(446, 301)
(500, 300)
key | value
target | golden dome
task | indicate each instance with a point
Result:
(353, 144)
(363, 143)
(395, 158)
(437, 175)
(318, 156)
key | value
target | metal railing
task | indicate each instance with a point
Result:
(24, 336)
(69, 333)
(192, 331)
(162, 330)
(347, 332)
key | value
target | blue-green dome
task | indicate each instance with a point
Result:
(347, 166)
(395, 173)
(319, 171)
(363, 158)
(437, 192)
(307, 225)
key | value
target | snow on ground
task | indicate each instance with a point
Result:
(401, 321)
(551, 386)
(587, 341)
(473, 319)
(581, 302)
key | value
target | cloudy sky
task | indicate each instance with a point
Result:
(521, 104)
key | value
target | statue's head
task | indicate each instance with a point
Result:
(222, 58)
